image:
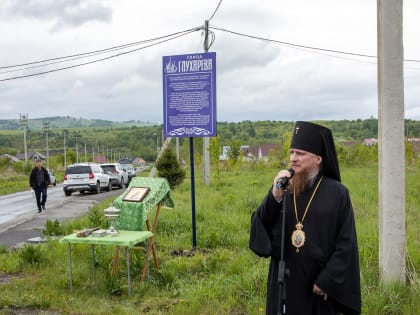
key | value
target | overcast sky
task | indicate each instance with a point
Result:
(256, 79)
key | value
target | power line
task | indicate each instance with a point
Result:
(52, 63)
(217, 8)
(311, 48)
(411, 60)
(180, 34)
(82, 55)
(290, 44)
(160, 40)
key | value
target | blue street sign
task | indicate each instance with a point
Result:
(189, 95)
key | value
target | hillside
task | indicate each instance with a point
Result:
(142, 139)
(67, 122)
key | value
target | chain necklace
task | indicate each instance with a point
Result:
(298, 235)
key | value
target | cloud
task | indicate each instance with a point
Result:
(63, 13)
(256, 79)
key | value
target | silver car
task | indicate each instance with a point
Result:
(130, 171)
(85, 177)
(117, 173)
(53, 179)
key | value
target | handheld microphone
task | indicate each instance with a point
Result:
(283, 182)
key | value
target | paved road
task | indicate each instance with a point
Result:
(14, 206)
(19, 220)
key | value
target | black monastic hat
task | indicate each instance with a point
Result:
(317, 139)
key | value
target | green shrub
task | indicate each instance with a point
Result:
(169, 168)
(52, 228)
(96, 216)
(31, 254)
(3, 249)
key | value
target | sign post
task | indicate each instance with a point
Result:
(189, 103)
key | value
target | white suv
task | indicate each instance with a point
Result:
(85, 177)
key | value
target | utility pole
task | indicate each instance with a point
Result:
(77, 148)
(157, 145)
(24, 124)
(177, 148)
(164, 146)
(65, 149)
(206, 140)
(85, 153)
(46, 127)
(392, 231)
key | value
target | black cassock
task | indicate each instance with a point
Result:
(329, 257)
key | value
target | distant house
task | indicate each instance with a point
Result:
(225, 151)
(100, 159)
(413, 139)
(11, 158)
(348, 143)
(370, 142)
(415, 142)
(259, 153)
(139, 162)
(32, 155)
(250, 153)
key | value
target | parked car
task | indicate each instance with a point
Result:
(85, 177)
(53, 180)
(117, 173)
(130, 171)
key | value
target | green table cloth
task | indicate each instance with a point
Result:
(133, 215)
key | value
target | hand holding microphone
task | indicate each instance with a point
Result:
(280, 183)
(284, 181)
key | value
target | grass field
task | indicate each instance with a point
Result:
(222, 276)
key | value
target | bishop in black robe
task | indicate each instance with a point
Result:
(329, 257)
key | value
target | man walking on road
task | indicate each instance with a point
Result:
(39, 181)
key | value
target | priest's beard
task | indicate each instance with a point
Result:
(303, 181)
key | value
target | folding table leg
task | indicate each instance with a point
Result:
(127, 253)
(70, 266)
(146, 263)
(93, 261)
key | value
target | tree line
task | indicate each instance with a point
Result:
(144, 141)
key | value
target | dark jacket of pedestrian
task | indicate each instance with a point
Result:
(39, 177)
(39, 180)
